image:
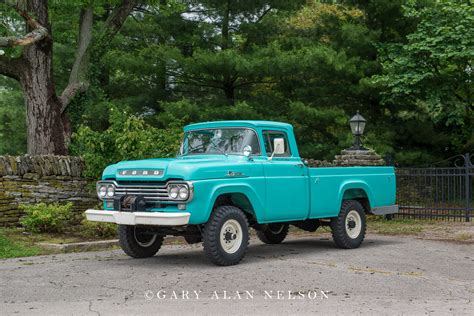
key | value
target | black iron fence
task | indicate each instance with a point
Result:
(444, 193)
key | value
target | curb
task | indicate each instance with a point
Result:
(80, 246)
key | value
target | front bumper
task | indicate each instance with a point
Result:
(139, 218)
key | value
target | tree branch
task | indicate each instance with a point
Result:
(70, 92)
(10, 67)
(260, 18)
(78, 77)
(78, 81)
(115, 21)
(38, 33)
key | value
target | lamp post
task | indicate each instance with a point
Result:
(357, 123)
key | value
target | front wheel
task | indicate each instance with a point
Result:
(273, 233)
(348, 229)
(139, 242)
(226, 236)
(193, 239)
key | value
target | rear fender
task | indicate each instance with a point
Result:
(353, 189)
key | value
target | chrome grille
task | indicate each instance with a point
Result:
(153, 192)
(149, 192)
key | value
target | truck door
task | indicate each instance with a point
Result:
(287, 187)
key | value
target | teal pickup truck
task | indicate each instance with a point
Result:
(232, 175)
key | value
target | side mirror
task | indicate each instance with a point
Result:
(278, 147)
(247, 150)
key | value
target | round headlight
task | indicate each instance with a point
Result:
(110, 191)
(183, 193)
(174, 192)
(102, 191)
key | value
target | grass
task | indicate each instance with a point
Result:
(14, 249)
(464, 237)
(15, 242)
(18, 235)
(380, 225)
(433, 230)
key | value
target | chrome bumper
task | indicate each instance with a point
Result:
(139, 218)
(385, 210)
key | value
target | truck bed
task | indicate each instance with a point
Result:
(330, 185)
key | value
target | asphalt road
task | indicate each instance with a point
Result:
(387, 275)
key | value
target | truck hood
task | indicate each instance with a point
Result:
(196, 167)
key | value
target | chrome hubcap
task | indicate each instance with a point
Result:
(275, 228)
(231, 236)
(353, 224)
(143, 238)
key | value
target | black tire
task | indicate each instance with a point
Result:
(193, 239)
(137, 242)
(344, 228)
(221, 221)
(273, 233)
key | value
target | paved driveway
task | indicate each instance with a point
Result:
(386, 275)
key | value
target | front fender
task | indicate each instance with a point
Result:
(206, 193)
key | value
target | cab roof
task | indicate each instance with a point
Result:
(215, 124)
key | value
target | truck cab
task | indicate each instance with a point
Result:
(231, 176)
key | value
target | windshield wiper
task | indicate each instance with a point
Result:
(222, 151)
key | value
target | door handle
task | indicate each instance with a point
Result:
(299, 165)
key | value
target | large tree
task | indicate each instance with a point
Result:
(432, 71)
(28, 59)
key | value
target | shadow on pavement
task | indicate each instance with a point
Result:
(193, 256)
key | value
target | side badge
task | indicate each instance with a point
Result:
(234, 174)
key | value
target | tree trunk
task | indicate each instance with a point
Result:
(228, 82)
(45, 128)
(48, 127)
(229, 92)
(45, 125)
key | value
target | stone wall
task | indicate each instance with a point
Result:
(34, 179)
(314, 163)
(350, 158)
(365, 157)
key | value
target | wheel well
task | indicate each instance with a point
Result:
(359, 195)
(239, 200)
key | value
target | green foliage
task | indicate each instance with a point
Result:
(128, 137)
(12, 119)
(11, 249)
(320, 132)
(404, 64)
(46, 218)
(433, 70)
(97, 229)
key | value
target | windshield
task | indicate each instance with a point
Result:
(219, 141)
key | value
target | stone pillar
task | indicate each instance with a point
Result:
(351, 157)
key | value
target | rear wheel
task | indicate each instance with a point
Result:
(139, 242)
(348, 229)
(226, 236)
(273, 233)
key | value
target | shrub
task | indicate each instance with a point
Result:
(46, 218)
(97, 229)
(128, 137)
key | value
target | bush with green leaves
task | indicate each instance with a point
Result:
(128, 137)
(46, 218)
(97, 229)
